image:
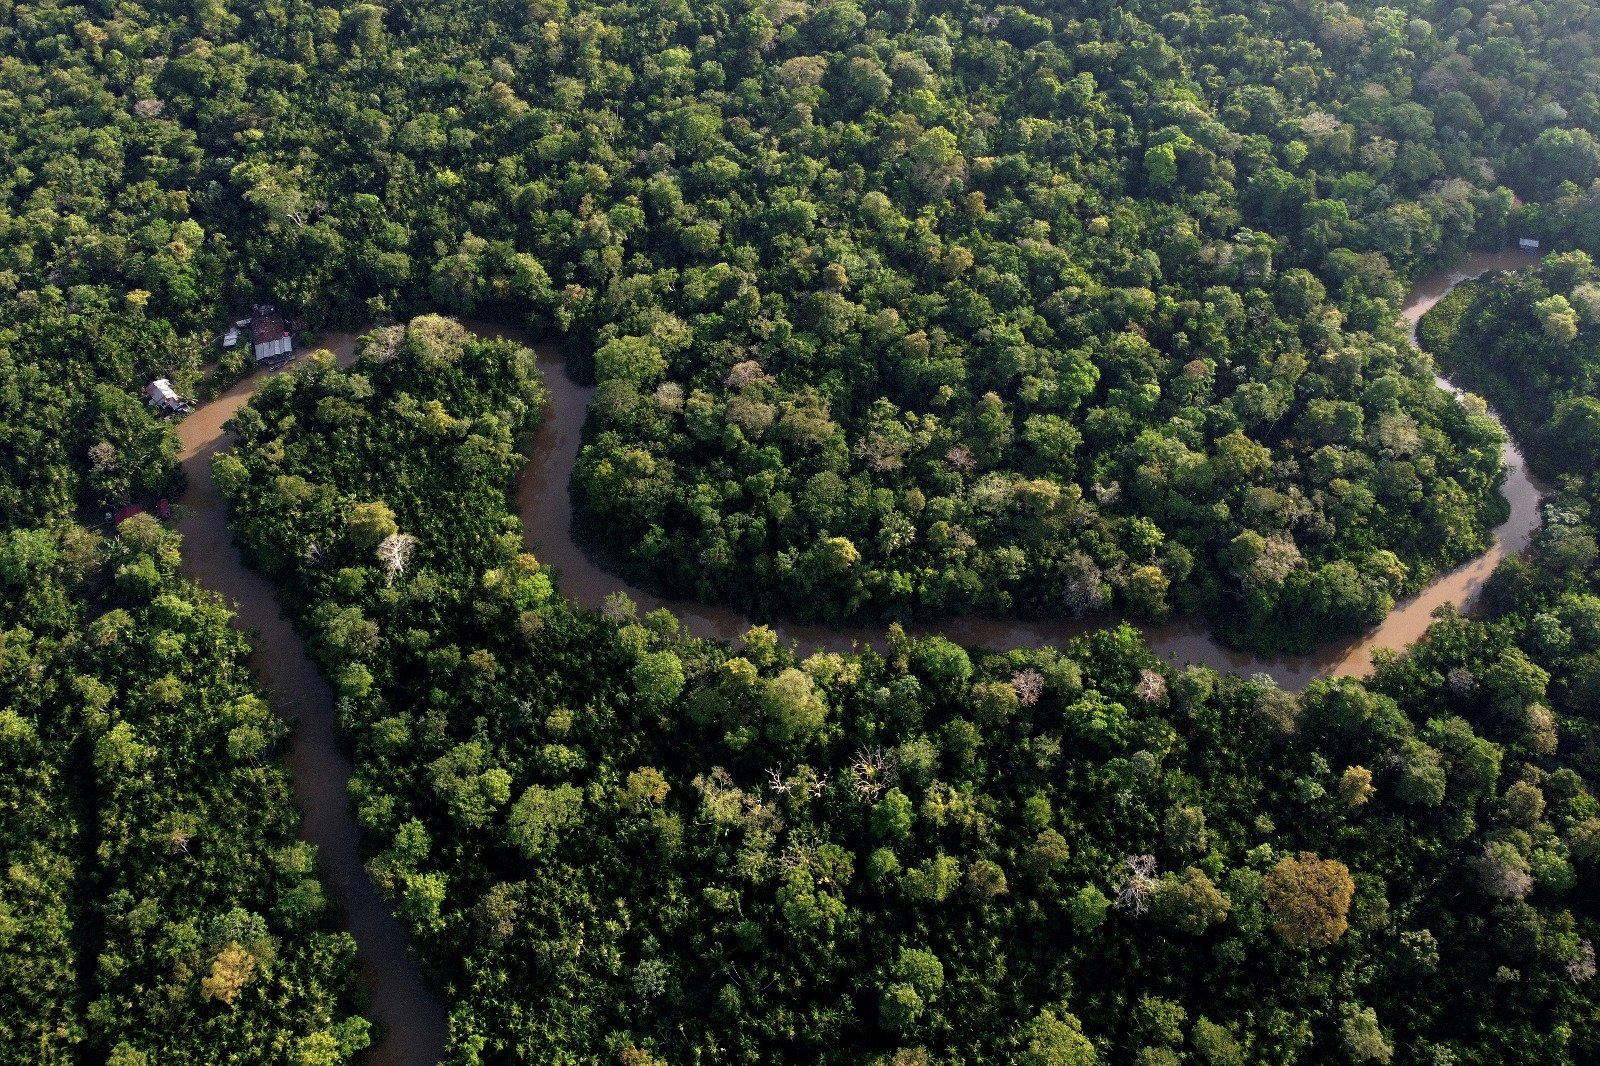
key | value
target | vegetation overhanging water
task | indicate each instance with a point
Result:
(546, 513)
(411, 1014)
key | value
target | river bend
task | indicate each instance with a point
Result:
(411, 1016)
(546, 511)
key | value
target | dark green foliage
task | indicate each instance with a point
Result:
(969, 358)
(903, 309)
(150, 830)
(900, 309)
(840, 858)
(1530, 343)
(76, 433)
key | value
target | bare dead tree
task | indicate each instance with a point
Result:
(881, 452)
(1084, 588)
(1028, 685)
(1461, 681)
(1502, 871)
(745, 374)
(960, 459)
(1135, 891)
(776, 782)
(805, 781)
(872, 771)
(384, 342)
(1152, 687)
(1581, 967)
(394, 552)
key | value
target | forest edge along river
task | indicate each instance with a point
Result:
(411, 1015)
(546, 511)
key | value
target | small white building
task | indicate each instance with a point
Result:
(230, 339)
(161, 394)
(1527, 244)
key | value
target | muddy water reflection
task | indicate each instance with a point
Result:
(546, 510)
(411, 1016)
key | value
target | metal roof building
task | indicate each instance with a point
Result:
(162, 394)
(269, 335)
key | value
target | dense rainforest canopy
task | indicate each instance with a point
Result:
(606, 834)
(155, 905)
(902, 308)
(897, 309)
(1530, 342)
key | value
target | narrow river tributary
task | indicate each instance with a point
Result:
(410, 1014)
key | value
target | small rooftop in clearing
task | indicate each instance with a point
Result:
(161, 394)
(268, 333)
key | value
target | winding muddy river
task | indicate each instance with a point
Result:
(546, 512)
(411, 1015)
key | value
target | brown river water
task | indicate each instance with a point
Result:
(546, 514)
(410, 1013)
(411, 1016)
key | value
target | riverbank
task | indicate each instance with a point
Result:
(411, 1016)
